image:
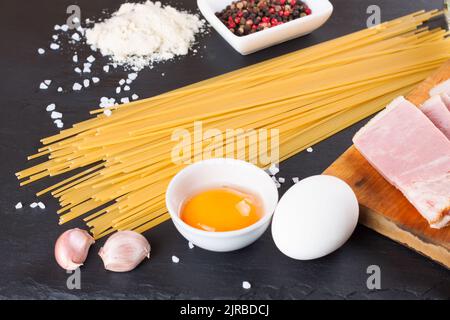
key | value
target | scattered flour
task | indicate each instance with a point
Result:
(139, 34)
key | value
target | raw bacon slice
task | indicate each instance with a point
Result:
(411, 153)
(446, 98)
(435, 109)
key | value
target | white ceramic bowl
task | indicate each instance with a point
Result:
(215, 173)
(320, 12)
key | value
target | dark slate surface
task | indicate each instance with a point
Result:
(28, 269)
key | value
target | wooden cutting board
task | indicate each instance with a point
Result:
(382, 207)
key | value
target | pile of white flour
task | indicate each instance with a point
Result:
(139, 34)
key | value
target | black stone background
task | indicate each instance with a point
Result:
(28, 269)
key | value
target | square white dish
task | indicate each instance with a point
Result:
(321, 10)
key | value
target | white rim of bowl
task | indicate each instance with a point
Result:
(220, 234)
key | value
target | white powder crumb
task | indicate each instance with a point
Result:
(59, 124)
(55, 37)
(175, 259)
(118, 89)
(56, 115)
(191, 245)
(273, 169)
(95, 80)
(106, 68)
(295, 179)
(77, 70)
(309, 149)
(107, 112)
(134, 96)
(19, 205)
(43, 86)
(41, 51)
(281, 180)
(163, 74)
(50, 107)
(128, 81)
(126, 88)
(60, 89)
(54, 46)
(86, 83)
(41, 205)
(77, 86)
(47, 82)
(132, 76)
(125, 100)
(246, 285)
(139, 34)
(64, 27)
(33, 205)
(90, 59)
(57, 27)
(121, 81)
(75, 58)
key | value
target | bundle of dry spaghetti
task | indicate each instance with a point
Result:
(125, 159)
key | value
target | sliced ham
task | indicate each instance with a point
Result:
(435, 109)
(443, 87)
(446, 98)
(411, 153)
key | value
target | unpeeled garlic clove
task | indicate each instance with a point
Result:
(72, 247)
(124, 250)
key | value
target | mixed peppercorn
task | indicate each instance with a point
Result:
(249, 16)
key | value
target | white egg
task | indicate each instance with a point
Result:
(315, 217)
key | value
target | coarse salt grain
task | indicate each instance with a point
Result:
(175, 259)
(57, 27)
(295, 179)
(134, 96)
(33, 205)
(56, 115)
(41, 51)
(50, 107)
(191, 245)
(77, 70)
(125, 100)
(65, 27)
(273, 169)
(281, 180)
(41, 205)
(54, 46)
(60, 89)
(55, 37)
(75, 58)
(118, 89)
(106, 68)
(86, 83)
(246, 285)
(126, 88)
(77, 86)
(95, 80)
(47, 82)
(121, 82)
(90, 59)
(19, 205)
(309, 149)
(43, 86)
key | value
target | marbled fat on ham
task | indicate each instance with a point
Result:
(412, 154)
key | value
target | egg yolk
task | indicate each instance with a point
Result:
(221, 209)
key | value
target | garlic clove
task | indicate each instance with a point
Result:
(72, 247)
(124, 250)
